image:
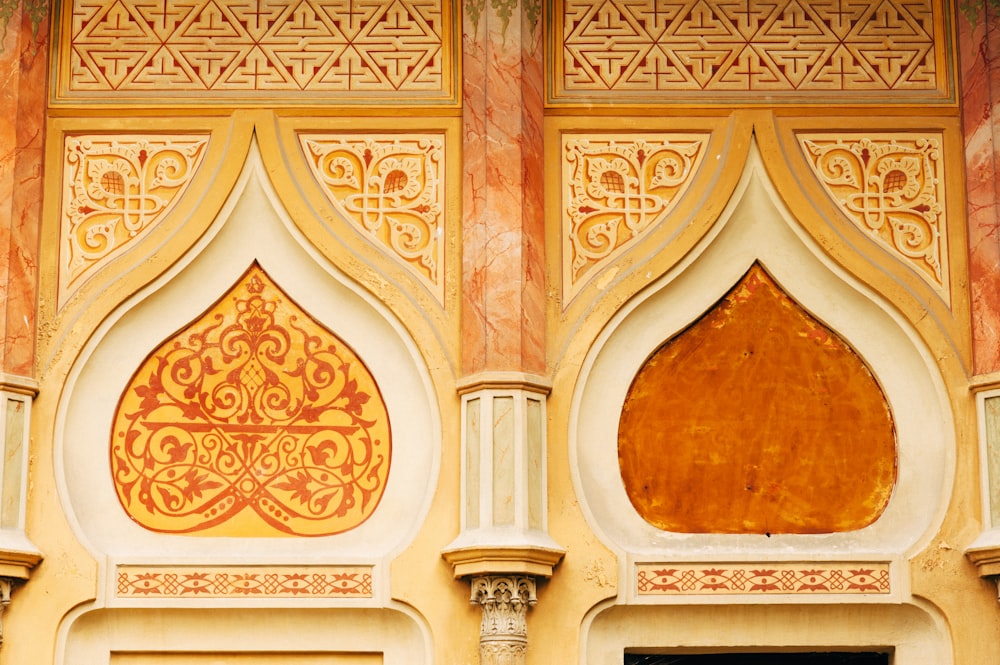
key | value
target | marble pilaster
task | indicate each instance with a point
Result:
(979, 59)
(22, 96)
(503, 304)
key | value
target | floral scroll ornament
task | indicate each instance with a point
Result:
(116, 188)
(616, 189)
(892, 188)
(391, 188)
(254, 421)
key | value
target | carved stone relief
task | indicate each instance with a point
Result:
(891, 186)
(115, 189)
(616, 187)
(391, 187)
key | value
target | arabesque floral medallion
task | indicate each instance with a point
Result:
(253, 421)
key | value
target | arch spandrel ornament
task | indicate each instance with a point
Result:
(255, 420)
(891, 187)
(116, 188)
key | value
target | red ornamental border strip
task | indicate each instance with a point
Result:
(763, 578)
(244, 582)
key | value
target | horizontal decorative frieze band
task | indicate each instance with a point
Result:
(662, 579)
(244, 582)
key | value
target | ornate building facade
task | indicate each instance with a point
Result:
(351, 332)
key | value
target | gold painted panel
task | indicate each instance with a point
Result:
(253, 421)
(391, 188)
(616, 188)
(116, 187)
(670, 51)
(757, 419)
(340, 51)
(890, 186)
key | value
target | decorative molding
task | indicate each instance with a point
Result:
(764, 578)
(503, 632)
(243, 582)
(501, 380)
(253, 421)
(6, 589)
(678, 51)
(616, 187)
(391, 188)
(537, 560)
(22, 385)
(115, 189)
(504, 522)
(340, 51)
(891, 186)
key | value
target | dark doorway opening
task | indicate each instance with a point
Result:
(811, 658)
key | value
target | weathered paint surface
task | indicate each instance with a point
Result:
(757, 419)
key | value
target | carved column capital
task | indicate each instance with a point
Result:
(503, 633)
(6, 588)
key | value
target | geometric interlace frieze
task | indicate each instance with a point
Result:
(616, 187)
(391, 188)
(891, 186)
(701, 49)
(116, 187)
(345, 50)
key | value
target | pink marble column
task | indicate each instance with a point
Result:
(979, 58)
(503, 308)
(22, 106)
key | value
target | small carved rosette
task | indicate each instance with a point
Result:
(254, 421)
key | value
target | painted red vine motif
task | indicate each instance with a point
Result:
(254, 421)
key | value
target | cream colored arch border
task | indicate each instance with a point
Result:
(251, 226)
(259, 636)
(756, 226)
(914, 634)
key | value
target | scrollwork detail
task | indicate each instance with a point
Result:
(391, 189)
(116, 188)
(892, 188)
(618, 187)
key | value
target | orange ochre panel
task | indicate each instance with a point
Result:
(253, 421)
(757, 419)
